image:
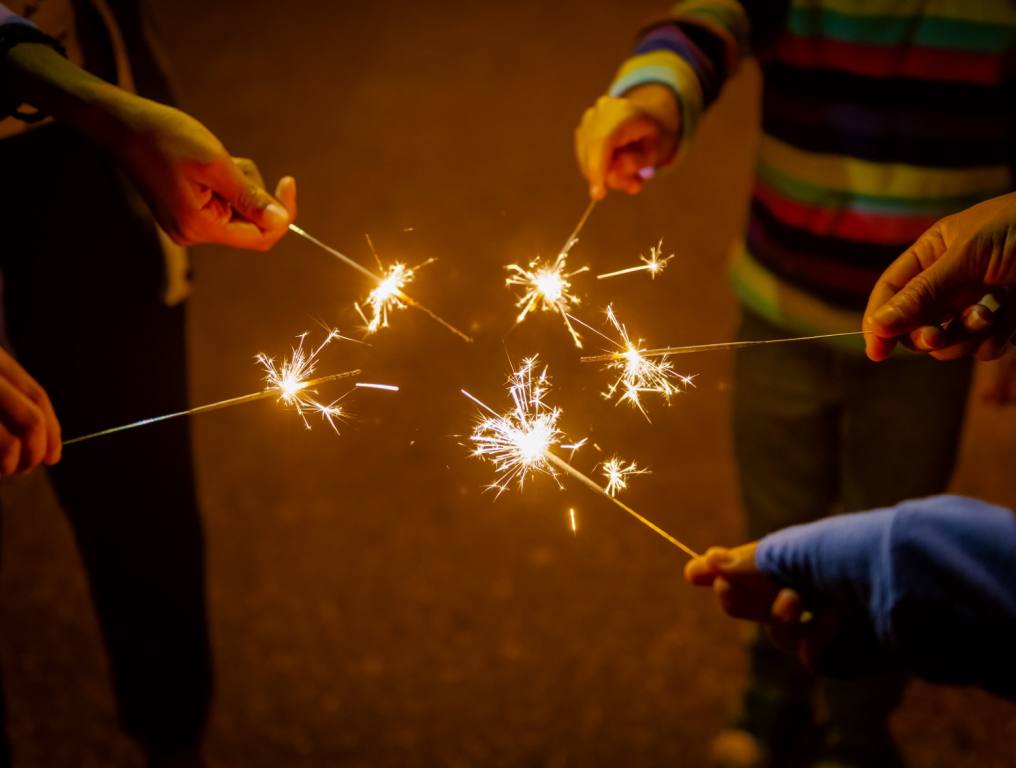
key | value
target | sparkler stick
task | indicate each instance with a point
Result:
(520, 442)
(721, 345)
(251, 398)
(654, 265)
(389, 286)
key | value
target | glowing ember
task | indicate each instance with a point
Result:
(290, 378)
(547, 288)
(638, 375)
(617, 474)
(654, 265)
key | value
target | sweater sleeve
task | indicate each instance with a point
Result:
(693, 52)
(935, 580)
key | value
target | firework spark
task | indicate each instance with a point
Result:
(520, 442)
(637, 375)
(291, 380)
(654, 265)
(617, 474)
(546, 287)
(388, 295)
(571, 515)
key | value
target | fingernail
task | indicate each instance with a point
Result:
(276, 216)
(887, 316)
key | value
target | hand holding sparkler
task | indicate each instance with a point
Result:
(29, 429)
(620, 142)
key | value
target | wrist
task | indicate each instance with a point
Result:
(658, 102)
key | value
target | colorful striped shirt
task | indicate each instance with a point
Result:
(879, 117)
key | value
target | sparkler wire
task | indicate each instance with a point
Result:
(564, 466)
(578, 227)
(251, 398)
(378, 279)
(721, 345)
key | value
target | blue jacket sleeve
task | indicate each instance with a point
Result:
(933, 581)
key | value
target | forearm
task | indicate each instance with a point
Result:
(37, 75)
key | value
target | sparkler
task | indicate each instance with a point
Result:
(547, 286)
(571, 515)
(636, 374)
(389, 293)
(520, 442)
(666, 351)
(654, 265)
(617, 474)
(289, 382)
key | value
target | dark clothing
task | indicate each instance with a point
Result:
(817, 429)
(83, 277)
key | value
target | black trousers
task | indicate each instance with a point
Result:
(82, 276)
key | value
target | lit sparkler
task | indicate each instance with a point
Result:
(654, 265)
(289, 382)
(571, 515)
(388, 294)
(522, 440)
(637, 375)
(617, 474)
(547, 286)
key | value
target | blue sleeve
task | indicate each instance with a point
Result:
(932, 580)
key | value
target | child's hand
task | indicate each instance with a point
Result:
(29, 430)
(745, 592)
(197, 192)
(622, 141)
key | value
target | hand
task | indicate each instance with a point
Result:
(745, 592)
(952, 293)
(622, 141)
(196, 191)
(29, 430)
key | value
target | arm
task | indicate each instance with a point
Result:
(197, 192)
(928, 585)
(652, 108)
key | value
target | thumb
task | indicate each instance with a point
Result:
(249, 199)
(929, 293)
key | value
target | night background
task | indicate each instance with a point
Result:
(369, 603)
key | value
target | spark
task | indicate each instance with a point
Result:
(385, 387)
(637, 374)
(388, 295)
(654, 265)
(571, 514)
(617, 474)
(518, 441)
(290, 379)
(547, 286)
(521, 442)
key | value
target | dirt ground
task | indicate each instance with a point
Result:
(370, 604)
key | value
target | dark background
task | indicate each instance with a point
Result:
(370, 605)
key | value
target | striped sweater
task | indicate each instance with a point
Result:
(878, 118)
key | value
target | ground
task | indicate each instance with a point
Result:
(370, 604)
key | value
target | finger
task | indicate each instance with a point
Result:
(26, 383)
(698, 572)
(250, 169)
(787, 607)
(285, 193)
(741, 602)
(24, 420)
(248, 198)
(10, 453)
(622, 138)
